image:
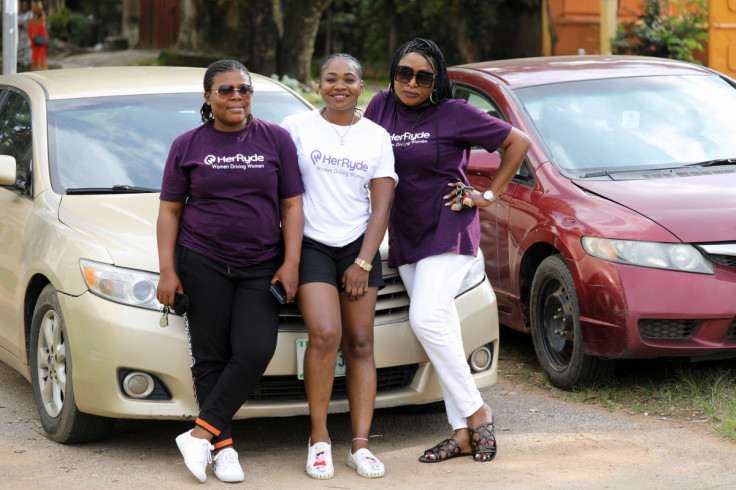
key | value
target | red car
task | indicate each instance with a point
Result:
(617, 238)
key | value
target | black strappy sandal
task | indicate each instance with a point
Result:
(483, 441)
(447, 449)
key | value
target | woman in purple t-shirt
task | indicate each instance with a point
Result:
(432, 237)
(230, 224)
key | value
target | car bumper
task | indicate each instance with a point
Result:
(636, 312)
(105, 338)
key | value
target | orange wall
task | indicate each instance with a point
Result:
(576, 24)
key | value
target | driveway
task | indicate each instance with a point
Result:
(544, 442)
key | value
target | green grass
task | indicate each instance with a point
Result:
(704, 391)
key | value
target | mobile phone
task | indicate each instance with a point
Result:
(278, 290)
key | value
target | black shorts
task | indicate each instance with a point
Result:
(323, 263)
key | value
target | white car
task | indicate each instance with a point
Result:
(82, 153)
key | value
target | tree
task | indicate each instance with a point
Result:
(301, 23)
(656, 34)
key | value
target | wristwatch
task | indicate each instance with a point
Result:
(488, 196)
(366, 266)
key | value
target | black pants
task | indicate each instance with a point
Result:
(232, 324)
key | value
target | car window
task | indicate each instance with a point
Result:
(635, 123)
(15, 137)
(476, 99)
(483, 102)
(107, 141)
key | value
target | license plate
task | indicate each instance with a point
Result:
(301, 348)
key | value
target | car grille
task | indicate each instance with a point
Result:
(720, 253)
(664, 329)
(392, 305)
(291, 388)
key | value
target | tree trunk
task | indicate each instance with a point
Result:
(297, 45)
(263, 36)
(192, 25)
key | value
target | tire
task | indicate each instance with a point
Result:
(50, 358)
(556, 332)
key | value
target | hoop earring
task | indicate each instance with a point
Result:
(430, 97)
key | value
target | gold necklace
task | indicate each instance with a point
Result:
(341, 136)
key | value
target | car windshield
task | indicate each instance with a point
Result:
(121, 143)
(637, 123)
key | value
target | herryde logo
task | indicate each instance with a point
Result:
(238, 161)
(342, 163)
(407, 138)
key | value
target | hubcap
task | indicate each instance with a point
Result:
(559, 327)
(52, 363)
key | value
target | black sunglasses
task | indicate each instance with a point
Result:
(227, 90)
(404, 74)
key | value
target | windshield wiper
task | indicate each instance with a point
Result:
(116, 189)
(713, 163)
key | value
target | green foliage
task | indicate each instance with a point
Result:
(58, 22)
(81, 30)
(655, 34)
(73, 27)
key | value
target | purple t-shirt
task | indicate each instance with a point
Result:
(231, 183)
(421, 225)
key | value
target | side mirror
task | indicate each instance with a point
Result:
(7, 170)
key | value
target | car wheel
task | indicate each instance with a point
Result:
(556, 332)
(51, 377)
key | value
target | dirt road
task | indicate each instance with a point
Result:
(543, 443)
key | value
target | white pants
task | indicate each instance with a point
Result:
(432, 284)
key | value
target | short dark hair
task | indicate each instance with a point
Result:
(433, 54)
(220, 66)
(340, 56)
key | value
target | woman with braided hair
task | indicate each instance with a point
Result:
(434, 231)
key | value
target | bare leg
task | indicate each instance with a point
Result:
(357, 347)
(320, 308)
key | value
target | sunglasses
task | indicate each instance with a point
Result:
(404, 74)
(227, 90)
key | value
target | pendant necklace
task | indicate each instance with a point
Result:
(341, 136)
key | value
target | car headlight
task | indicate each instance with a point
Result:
(476, 274)
(671, 256)
(126, 286)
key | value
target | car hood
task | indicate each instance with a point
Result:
(696, 209)
(125, 224)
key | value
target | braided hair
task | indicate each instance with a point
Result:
(341, 56)
(431, 52)
(221, 66)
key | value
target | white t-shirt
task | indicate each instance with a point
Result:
(337, 177)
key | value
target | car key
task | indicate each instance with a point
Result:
(164, 322)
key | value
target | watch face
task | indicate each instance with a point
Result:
(488, 196)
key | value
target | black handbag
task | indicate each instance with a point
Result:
(40, 40)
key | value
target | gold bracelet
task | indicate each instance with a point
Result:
(366, 266)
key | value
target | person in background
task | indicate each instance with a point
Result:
(434, 231)
(24, 40)
(39, 36)
(346, 212)
(226, 233)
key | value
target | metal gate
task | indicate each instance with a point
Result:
(159, 23)
(722, 36)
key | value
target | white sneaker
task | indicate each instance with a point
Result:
(227, 466)
(366, 464)
(197, 454)
(319, 461)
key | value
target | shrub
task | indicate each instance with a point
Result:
(655, 34)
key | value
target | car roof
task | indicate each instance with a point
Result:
(72, 83)
(526, 72)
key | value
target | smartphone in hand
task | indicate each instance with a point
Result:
(278, 290)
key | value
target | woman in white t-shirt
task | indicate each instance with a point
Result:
(347, 168)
